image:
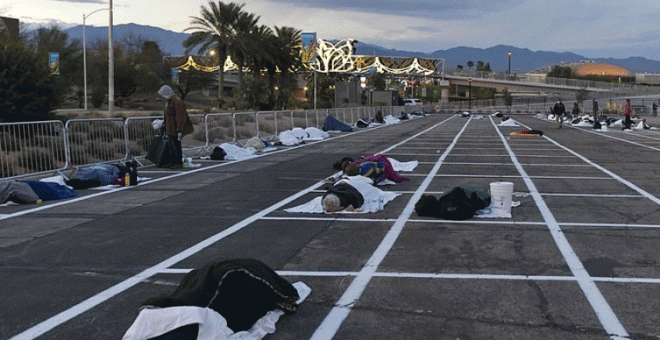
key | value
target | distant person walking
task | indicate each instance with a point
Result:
(627, 112)
(559, 110)
(177, 122)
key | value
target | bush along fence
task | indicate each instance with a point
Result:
(34, 148)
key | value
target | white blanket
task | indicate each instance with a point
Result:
(488, 212)
(374, 198)
(403, 166)
(151, 323)
(237, 153)
(389, 119)
(508, 122)
(315, 134)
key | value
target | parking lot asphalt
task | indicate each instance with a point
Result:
(578, 259)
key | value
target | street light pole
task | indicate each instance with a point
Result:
(111, 67)
(85, 52)
(469, 93)
(509, 55)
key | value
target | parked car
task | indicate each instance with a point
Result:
(412, 102)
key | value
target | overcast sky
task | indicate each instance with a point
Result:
(591, 28)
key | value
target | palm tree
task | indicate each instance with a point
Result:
(243, 44)
(214, 31)
(288, 43)
(263, 58)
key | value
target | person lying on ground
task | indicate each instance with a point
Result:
(461, 203)
(388, 171)
(341, 196)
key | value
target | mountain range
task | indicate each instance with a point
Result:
(522, 59)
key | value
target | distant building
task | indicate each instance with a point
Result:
(599, 69)
(588, 68)
(9, 25)
(647, 78)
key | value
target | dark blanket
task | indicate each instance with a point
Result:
(347, 194)
(458, 204)
(332, 124)
(48, 191)
(241, 290)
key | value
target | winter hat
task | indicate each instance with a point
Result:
(166, 92)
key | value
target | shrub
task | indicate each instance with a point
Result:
(98, 96)
(27, 90)
(38, 159)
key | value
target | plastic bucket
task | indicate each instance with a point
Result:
(500, 197)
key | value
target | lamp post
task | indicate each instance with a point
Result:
(469, 93)
(509, 55)
(85, 52)
(111, 66)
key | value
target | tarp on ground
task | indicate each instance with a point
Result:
(332, 124)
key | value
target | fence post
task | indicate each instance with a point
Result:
(256, 118)
(233, 124)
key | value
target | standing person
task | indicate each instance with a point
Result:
(655, 109)
(576, 111)
(177, 122)
(559, 110)
(627, 112)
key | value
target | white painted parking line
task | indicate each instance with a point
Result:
(72, 312)
(608, 172)
(445, 276)
(338, 314)
(601, 307)
(103, 296)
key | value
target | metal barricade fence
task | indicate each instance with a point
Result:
(95, 140)
(30, 148)
(267, 127)
(197, 139)
(284, 121)
(245, 125)
(220, 128)
(299, 119)
(139, 135)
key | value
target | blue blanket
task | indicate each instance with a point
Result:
(102, 172)
(49, 191)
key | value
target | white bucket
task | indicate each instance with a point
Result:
(500, 197)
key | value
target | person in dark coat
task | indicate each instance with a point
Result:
(559, 111)
(177, 122)
(596, 115)
(576, 111)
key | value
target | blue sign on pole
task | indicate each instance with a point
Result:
(308, 39)
(175, 77)
(54, 63)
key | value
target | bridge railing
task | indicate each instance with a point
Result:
(620, 88)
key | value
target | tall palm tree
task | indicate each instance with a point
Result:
(213, 30)
(289, 43)
(262, 59)
(243, 45)
(288, 47)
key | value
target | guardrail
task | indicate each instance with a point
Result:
(34, 148)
